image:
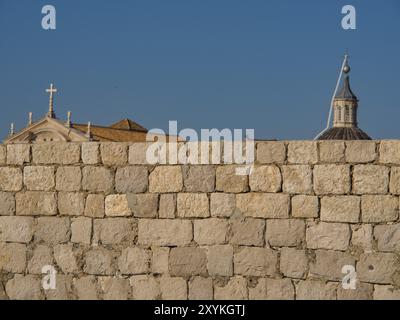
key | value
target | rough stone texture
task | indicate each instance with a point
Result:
(24, 288)
(192, 205)
(363, 291)
(210, 231)
(143, 205)
(12, 257)
(302, 152)
(7, 204)
(81, 230)
(68, 179)
(360, 151)
(94, 206)
(315, 290)
(331, 179)
(293, 263)
(394, 186)
(134, 261)
(271, 152)
(97, 179)
(173, 288)
(379, 208)
(57, 153)
(332, 236)
(165, 232)
(340, 209)
(42, 256)
(132, 179)
(137, 153)
(222, 204)
(370, 179)
(248, 232)
(263, 205)
(52, 230)
(378, 267)
(10, 179)
(18, 154)
(200, 289)
(34, 203)
(114, 288)
(228, 181)
(362, 237)
(328, 264)
(258, 262)
(331, 151)
(304, 206)
(167, 206)
(187, 261)
(388, 237)
(116, 205)
(63, 290)
(389, 152)
(3, 155)
(114, 154)
(235, 289)
(145, 287)
(285, 233)
(220, 260)
(71, 203)
(279, 289)
(266, 179)
(16, 229)
(99, 261)
(297, 179)
(39, 178)
(159, 261)
(166, 179)
(114, 231)
(382, 292)
(66, 259)
(86, 288)
(90, 153)
(199, 178)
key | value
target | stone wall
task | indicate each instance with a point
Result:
(116, 228)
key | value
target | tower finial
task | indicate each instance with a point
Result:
(88, 132)
(68, 124)
(12, 129)
(51, 90)
(30, 118)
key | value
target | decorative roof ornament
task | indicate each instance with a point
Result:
(68, 123)
(12, 129)
(51, 90)
(30, 119)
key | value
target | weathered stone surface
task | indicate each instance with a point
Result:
(94, 206)
(166, 179)
(331, 151)
(199, 178)
(131, 179)
(167, 206)
(137, 153)
(210, 231)
(361, 151)
(12, 257)
(97, 179)
(68, 179)
(220, 260)
(328, 264)
(265, 178)
(173, 288)
(86, 288)
(279, 289)
(7, 204)
(257, 262)
(379, 208)
(165, 232)
(248, 232)
(56, 152)
(114, 288)
(187, 261)
(114, 154)
(394, 186)
(34, 203)
(134, 260)
(99, 261)
(341, 209)
(378, 267)
(71, 203)
(362, 237)
(116, 205)
(293, 263)
(271, 152)
(63, 290)
(81, 229)
(235, 289)
(389, 152)
(302, 152)
(143, 205)
(16, 229)
(331, 179)
(145, 287)
(388, 237)
(332, 236)
(382, 292)
(222, 204)
(159, 261)
(259, 291)
(42, 256)
(24, 288)
(370, 179)
(191, 205)
(228, 181)
(52, 230)
(18, 154)
(315, 290)
(363, 291)
(263, 205)
(304, 206)
(297, 179)
(200, 289)
(65, 258)
(90, 153)
(285, 232)
(114, 230)
(39, 178)
(10, 179)
(3, 154)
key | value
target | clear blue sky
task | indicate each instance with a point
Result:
(267, 65)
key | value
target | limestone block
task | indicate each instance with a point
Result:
(166, 179)
(331, 179)
(331, 151)
(7, 204)
(159, 261)
(328, 264)
(248, 232)
(3, 155)
(360, 151)
(114, 231)
(10, 179)
(228, 181)
(173, 288)
(99, 261)
(279, 289)
(362, 237)
(382, 292)
(191, 205)
(220, 260)
(167, 206)
(52, 230)
(86, 288)
(293, 263)
(285, 232)
(18, 154)
(199, 178)
(81, 230)
(370, 179)
(114, 153)
(134, 260)
(143, 205)
(222, 204)
(165, 232)
(68, 179)
(71, 203)
(331, 236)
(131, 179)
(114, 288)
(16, 229)
(42, 256)
(63, 290)
(258, 262)
(266, 179)
(271, 152)
(145, 287)
(235, 289)
(137, 153)
(263, 205)
(304, 206)
(297, 179)
(302, 152)
(90, 153)
(379, 208)
(24, 288)
(56, 152)
(200, 289)
(389, 151)
(315, 290)
(341, 209)
(12, 257)
(187, 261)
(34, 203)
(117, 205)
(388, 237)
(97, 179)
(39, 178)
(66, 259)
(363, 291)
(94, 207)
(210, 231)
(378, 267)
